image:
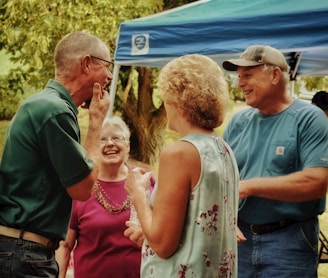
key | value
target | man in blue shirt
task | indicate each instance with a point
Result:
(281, 147)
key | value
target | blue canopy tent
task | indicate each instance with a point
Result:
(222, 29)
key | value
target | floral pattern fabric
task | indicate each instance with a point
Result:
(208, 246)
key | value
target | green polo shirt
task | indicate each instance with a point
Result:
(42, 156)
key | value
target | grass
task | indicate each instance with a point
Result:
(171, 136)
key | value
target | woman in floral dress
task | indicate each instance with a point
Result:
(190, 226)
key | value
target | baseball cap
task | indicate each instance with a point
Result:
(256, 55)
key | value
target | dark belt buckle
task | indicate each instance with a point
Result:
(53, 245)
(254, 229)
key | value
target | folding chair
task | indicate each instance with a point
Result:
(323, 248)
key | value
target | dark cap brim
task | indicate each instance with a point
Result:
(232, 65)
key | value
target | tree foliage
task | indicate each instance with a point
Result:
(30, 30)
(316, 83)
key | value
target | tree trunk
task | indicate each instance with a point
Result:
(147, 123)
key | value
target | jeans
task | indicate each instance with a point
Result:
(289, 252)
(21, 258)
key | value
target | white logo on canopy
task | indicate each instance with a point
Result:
(140, 44)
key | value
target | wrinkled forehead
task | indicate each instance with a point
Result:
(111, 130)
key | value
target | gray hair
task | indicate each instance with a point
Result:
(116, 121)
(285, 74)
(72, 47)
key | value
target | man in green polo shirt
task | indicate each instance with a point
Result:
(43, 165)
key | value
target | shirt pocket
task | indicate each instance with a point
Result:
(284, 157)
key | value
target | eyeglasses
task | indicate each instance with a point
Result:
(114, 139)
(109, 62)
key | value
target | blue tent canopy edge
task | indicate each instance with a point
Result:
(223, 29)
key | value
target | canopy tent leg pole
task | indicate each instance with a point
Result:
(113, 87)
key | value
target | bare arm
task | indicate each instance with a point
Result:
(162, 225)
(97, 112)
(308, 184)
(63, 253)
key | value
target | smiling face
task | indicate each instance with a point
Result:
(99, 71)
(114, 147)
(81, 60)
(256, 85)
(103, 69)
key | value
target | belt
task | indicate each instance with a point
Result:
(26, 235)
(268, 228)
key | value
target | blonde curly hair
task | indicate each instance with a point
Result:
(196, 85)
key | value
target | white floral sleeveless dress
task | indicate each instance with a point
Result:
(208, 247)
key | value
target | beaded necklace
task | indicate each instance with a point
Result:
(114, 208)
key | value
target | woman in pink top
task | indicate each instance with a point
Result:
(97, 225)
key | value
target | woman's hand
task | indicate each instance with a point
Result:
(135, 235)
(240, 236)
(137, 180)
